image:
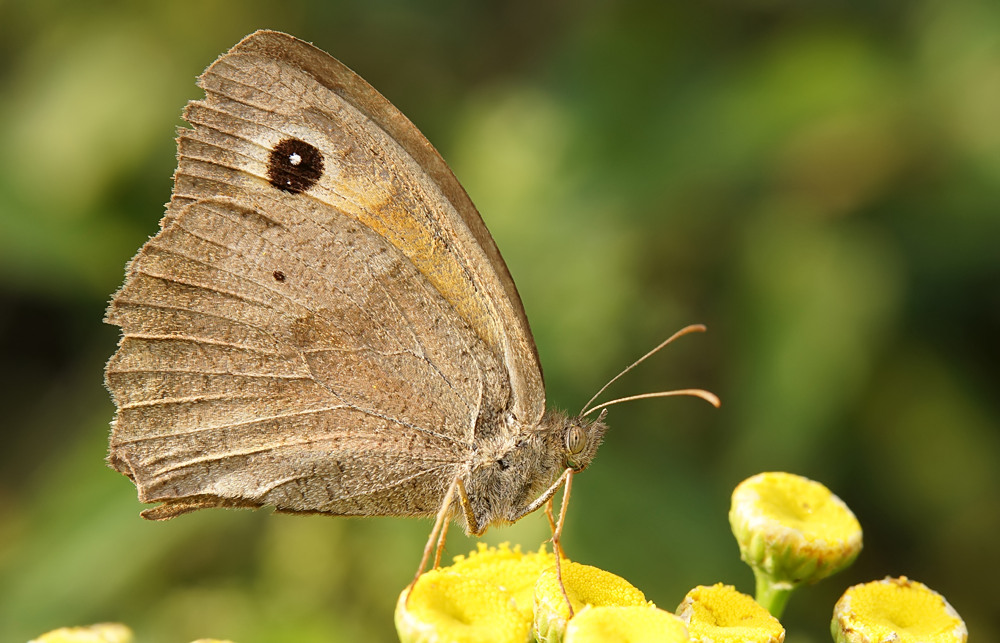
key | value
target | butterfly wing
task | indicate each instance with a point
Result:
(323, 322)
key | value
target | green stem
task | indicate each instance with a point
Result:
(770, 595)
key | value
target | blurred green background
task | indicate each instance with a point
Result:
(818, 182)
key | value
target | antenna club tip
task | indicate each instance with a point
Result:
(708, 396)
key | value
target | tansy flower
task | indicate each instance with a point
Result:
(637, 624)
(898, 610)
(100, 633)
(485, 596)
(446, 606)
(585, 585)
(509, 569)
(791, 531)
(720, 614)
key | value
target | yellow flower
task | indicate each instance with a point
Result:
(100, 633)
(490, 595)
(791, 531)
(898, 610)
(509, 569)
(451, 607)
(485, 596)
(637, 624)
(585, 585)
(720, 614)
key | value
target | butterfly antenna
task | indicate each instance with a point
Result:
(709, 397)
(705, 395)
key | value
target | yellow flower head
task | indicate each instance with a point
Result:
(446, 606)
(509, 569)
(489, 595)
(485, 596)
(898, 610)
(585, 585)
(100, 633)
(720, 614)
(637, 624)
(792, 529)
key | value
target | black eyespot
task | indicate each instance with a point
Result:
(504, 464)
(278, 275)
(294, 166)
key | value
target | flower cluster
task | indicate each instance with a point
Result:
(466, 601)
(792, 531)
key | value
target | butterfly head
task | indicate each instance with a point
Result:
(581, 437)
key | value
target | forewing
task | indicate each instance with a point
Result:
(381, 171)
(330, 349)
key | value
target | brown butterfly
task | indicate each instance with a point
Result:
(323, 323)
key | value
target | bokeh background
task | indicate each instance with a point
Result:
(818, 182)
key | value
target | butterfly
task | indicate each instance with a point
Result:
(323, 323)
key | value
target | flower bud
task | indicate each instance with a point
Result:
(791, 530)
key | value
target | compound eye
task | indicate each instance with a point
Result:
(576, 439)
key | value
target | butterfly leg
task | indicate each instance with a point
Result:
(442, 537)
(543, 498)
(552, 520)
(472, 525)
(437, 534)
(546, 498)
(557, 536)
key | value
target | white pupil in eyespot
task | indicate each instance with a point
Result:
(294, 159)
